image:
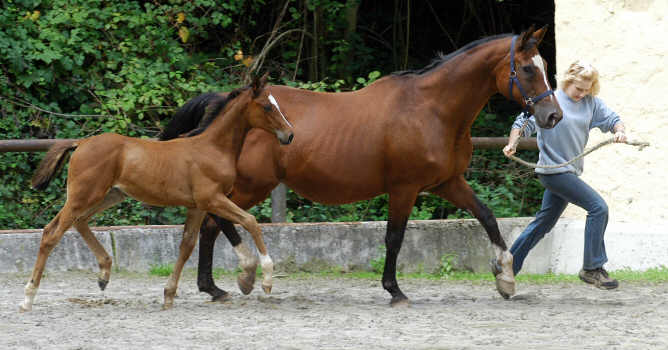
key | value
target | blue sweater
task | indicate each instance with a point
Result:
(569, 138)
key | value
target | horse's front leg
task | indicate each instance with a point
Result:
(401, 204)
(459, 193)
(194, 219)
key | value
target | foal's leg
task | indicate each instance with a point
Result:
(401, 204)
(51, 235)
(459, 193)
(247, 260)
(113, 197)
(190, 231)
(224, 207)
(245, 195)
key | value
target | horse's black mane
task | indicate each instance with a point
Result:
(197, 114)
(436, 62)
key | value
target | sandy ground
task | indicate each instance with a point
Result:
(330, 313)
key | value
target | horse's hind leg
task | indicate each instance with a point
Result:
(208, 234)
(113, 197)
(247, 261)
(51, 235)
(190, 231)
(459, 193)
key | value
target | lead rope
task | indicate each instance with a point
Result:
(639, 144)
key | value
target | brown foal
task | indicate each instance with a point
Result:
(196, 172)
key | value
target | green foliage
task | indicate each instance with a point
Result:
(378, 264)
(163, 270)
(102, 67)
(447, 267)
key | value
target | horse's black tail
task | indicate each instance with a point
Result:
(188, 117)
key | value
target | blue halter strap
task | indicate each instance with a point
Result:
(514, 80)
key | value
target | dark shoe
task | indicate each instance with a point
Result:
(599, 278)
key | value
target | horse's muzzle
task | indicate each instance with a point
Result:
(285, 138)
(553, 119)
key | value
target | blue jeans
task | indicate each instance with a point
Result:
(561, 189)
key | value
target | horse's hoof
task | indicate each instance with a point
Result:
(167, 306)
(504, 285)
(221, 298)
(23, 309)
(266, 289)
(400, 302)
(245, 284)
(102, 283)
(505, 288)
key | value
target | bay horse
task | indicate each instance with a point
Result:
(196, 172)
(405, 133)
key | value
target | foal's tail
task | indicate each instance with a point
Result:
(188, 117)
(52, 163)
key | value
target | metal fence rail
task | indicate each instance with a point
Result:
(41, 145)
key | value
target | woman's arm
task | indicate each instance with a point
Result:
(513, 139)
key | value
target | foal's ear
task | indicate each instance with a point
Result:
(259, 83)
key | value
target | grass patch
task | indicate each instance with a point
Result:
(161, 270)
(653, 275)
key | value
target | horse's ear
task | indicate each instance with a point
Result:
(259, 83)
(524, 38)
(539, 34)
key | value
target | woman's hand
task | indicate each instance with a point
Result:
(620, 136)
(509, 150)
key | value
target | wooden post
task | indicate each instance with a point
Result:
(279, 203)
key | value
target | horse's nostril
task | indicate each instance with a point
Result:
(553, 118)
(292, 136)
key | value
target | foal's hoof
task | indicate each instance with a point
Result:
(167, 306)
(266, 289)
(102, 283)
(246, 282)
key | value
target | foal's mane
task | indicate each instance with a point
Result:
(197, 114)
(442, 59)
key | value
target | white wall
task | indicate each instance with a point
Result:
(627, 40)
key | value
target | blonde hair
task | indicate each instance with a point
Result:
(580, 71)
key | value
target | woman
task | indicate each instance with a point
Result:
(583, 111)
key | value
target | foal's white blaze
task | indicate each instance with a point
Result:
(273, 101)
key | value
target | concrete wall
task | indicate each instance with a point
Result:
(349, 245)
(626, 41)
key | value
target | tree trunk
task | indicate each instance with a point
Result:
(352, 7)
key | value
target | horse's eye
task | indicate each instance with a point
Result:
(267, 108)
(527, 69)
